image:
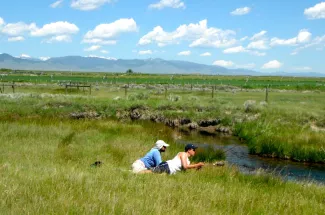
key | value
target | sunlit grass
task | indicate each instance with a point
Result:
(45, 169)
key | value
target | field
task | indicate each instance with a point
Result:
(247, 82)
(50, 137)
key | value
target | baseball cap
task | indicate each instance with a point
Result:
(190, 146)
(160, 144)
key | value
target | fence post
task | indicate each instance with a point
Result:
(212, 91)
(267, 93)
(66, 88)
(13, 87)
(165, 92)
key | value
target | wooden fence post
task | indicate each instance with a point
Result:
(13, 87)
(165, 92)
(66, 88)
(212, 91)
(126, 91)
(267, 93)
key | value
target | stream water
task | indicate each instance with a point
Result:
(237, 154)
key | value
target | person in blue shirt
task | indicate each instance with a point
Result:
(151, 159)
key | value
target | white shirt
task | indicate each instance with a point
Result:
(176, 164)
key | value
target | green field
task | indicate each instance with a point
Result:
(46, 152)
(250, 82)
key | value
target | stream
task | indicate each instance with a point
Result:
(237, 154)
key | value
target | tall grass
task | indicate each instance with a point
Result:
(45, 169)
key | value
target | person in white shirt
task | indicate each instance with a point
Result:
(179, 162)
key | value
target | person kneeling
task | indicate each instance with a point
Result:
(179, 162)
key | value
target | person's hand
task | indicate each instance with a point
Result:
(200, 165)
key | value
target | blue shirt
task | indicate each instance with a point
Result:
(152, 158)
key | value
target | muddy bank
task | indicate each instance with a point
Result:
(208, 126)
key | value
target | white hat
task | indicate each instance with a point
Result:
(160, 144)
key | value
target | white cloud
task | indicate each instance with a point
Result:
(243, 39)
(199, 35)
(241, 11)
(44, 58)
(318, 41)
(56, 4)
(304, 68)
(99, 41)
(167, 3)
(145, 52)
(259, 35)
(24, 56)
(88, 4)
(16, 39)
(92, 48)
(104, 51)
(2, 22)
(274, 64)
(241, 49)
(316, 12)
(259, 44)
(237, 49)
(106, 34)
(223, 63)
(59, 38)
(102, 57)
(206, 54)
(304, 36)
(19, 28)
(55, 28)
(184, 53)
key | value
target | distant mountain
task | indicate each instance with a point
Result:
(98, 64)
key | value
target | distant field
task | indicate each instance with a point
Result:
(250, 82)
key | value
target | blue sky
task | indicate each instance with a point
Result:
(266, 36)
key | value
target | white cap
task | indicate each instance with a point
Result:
(160, 144)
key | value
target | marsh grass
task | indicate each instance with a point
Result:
(208, 154)
(38, 178)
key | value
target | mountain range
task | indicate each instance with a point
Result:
(156, 65)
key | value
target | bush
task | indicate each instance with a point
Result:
(138, 96)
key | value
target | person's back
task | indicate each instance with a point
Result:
(175, 164)
(152, 158)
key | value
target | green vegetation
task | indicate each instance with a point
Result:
(245, 82)
(45, 169)
(290, 126)
(49, 140)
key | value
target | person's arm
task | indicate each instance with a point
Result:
(183, 157)
(157, 158)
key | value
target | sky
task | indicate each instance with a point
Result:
(262, 35)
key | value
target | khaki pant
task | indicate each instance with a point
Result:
(138, 166)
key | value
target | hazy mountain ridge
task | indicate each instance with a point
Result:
(156, 65)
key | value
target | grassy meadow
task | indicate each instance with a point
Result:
(45, 169)
(290, 125)
(46, 155)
